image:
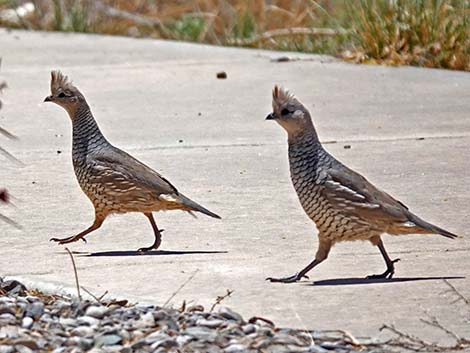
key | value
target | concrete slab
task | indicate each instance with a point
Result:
(408, 130)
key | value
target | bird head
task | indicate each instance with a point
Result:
(64, 93)
(289, 112)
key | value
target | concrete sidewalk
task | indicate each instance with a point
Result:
(409, 132)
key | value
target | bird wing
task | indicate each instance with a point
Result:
(354, 194)
(118, 167)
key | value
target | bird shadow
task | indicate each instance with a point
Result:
(358, 280)
(151, 253)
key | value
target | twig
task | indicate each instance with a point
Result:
(181, 287)
(435, 323)
(286, 32)
(75, 273)
(258, 318)
(352, 340)
(98, 299)
(220, 298)
(412, 340)
(456, 291)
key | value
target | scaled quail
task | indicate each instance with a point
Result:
(342, 203)
(114, 181)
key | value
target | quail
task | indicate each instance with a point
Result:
(343, 204)
(114, 181)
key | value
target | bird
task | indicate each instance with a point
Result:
(113, 180)
(343, 204)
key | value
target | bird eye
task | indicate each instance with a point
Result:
(61, 95)
(285, 111)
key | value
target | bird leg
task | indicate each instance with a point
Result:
(157, 232)
(322, 253)
(96, 224)
(389, 272)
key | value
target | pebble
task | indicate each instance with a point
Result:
(27, 322)
(83, 331)
(107, 340)
(230, 314)
(35, 310)
(249, 329)
(88, 320)
(235, 348)
(209, 323)
(145, 321)
(98, 312)
(63, 325)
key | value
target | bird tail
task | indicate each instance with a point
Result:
(193, 206)
(432, 228)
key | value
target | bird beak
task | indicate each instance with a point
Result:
(271, 116)
(48, 99)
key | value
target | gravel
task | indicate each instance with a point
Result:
(34, 322)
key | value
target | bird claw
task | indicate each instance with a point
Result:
(62, 241)
(142, 250)
(290, 279)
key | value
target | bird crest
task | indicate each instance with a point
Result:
(60, 82)
(281, 96)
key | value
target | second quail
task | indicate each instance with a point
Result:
(342, 203)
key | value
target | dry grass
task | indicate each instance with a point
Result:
(431, 33)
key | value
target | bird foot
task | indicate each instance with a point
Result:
(155, 245)
(142, 250)
(67, 240)
(289, 279)
(388, 273)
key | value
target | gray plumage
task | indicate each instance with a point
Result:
(342, 203)
(113, 180)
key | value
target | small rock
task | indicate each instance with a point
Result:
(7, 309)
(83, 331)
(23, 349)
(27, 322)
(146, 320)
(59, 350)
(88, 320)
(32, 298)
(194, 308)
(97, 312)
(222, 75)
(67, 322)
(7, 319)
(9, 331)
(156, 336)
(347, 147)
(229, 314)
(249, 329)
(183, 339)
(35, 310)
(201, 333)
(209, 323)
(107, 340)
(166, 343)
(235, 348)
(27, 343)
(6, 349)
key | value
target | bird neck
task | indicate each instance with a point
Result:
(306, 138)
(86, 133)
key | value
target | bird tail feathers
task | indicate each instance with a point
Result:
(193, 206)
(433, 229)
